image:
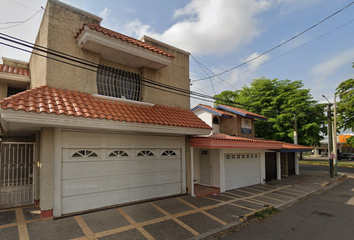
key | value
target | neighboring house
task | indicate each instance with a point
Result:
(83, 139)
(14, 77)
(231, 157)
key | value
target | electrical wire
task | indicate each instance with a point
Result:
(279, 45)
(22, 22)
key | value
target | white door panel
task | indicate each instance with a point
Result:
(96, 174)
(242, 170)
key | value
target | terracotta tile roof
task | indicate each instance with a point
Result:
(239, 110)
(49, 100)
(221, 136)
(14, 70)
(122, 37)
(242, 142)
(211, 109)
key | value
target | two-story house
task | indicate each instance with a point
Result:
(231, 157)
(98, 125)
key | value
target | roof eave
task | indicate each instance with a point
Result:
(54, 120)
(213, 143)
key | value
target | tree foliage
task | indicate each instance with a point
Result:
(280, 101)
(350, 141)
(345, 107)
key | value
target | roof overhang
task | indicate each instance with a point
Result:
(213, 143)
(15, 80)
(119, 51)
(210, 111)
(291, 150)
(28, 122)
(240, 113)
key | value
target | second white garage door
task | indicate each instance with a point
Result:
(242, 170)
(100, 170)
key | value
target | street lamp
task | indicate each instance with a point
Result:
(330, 142)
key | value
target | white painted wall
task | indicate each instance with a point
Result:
(205, 116)
(215, 165)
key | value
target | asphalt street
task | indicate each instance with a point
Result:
(323, 215)
(343, 170)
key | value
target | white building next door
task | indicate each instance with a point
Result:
(204, 167)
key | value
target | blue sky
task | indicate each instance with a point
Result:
(222, 34)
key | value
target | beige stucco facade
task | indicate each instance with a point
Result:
(47, 169)
(59, 26)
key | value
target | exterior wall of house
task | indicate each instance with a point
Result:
(47, 169)
(215, 166)
(37, 176)
(228, 125)
(232, 126)
(189, 180)
(175, 74)
(238, 127)
(59, 25)
(3, 90)
(205, 116)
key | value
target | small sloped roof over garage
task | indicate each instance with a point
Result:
(219, 140)
(66, 103)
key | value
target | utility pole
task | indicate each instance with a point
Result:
(295, 129)
(330, 142)
(335, 135)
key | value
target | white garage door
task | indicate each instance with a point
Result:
(242, 170)
(100, 170)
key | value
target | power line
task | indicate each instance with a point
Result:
(93, 68)
(281, 44)
(21, 22)
(274, 58)
(90, 66)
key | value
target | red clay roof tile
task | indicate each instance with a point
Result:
(283, 145)
(60, 102)
(215, 110)
(242, 111)
(14, 70)
(122, 37)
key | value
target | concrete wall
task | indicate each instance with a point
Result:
(232, 126)
(238, 127)
(175, 74)
(3, 90)
(47, 169)
(60, 24)
(215, 167)
(58, 28)
(228, 125)
(37, 176)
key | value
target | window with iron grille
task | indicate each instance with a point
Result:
(12, 91)
(118, 83)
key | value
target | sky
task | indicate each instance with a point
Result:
(222, 34)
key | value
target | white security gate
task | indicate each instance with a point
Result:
(242, 170)
(100, 170)
(16, 174)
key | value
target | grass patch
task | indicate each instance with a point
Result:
(339, 163)
(265, 213)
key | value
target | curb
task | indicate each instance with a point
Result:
(326, 186)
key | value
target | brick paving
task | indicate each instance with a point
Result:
(181, 217)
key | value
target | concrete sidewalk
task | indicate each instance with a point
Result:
(181, 217)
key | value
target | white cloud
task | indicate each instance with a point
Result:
(210, 26)
(104, 13)
(328, 68)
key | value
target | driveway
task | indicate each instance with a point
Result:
(181, 217)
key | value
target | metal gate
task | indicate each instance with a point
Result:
(16, 174)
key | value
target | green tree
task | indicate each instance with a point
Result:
(280, 101)
(350, 141)
(345, 106)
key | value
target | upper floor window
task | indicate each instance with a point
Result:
(12, 91)
(216, 120)
(118, 83)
